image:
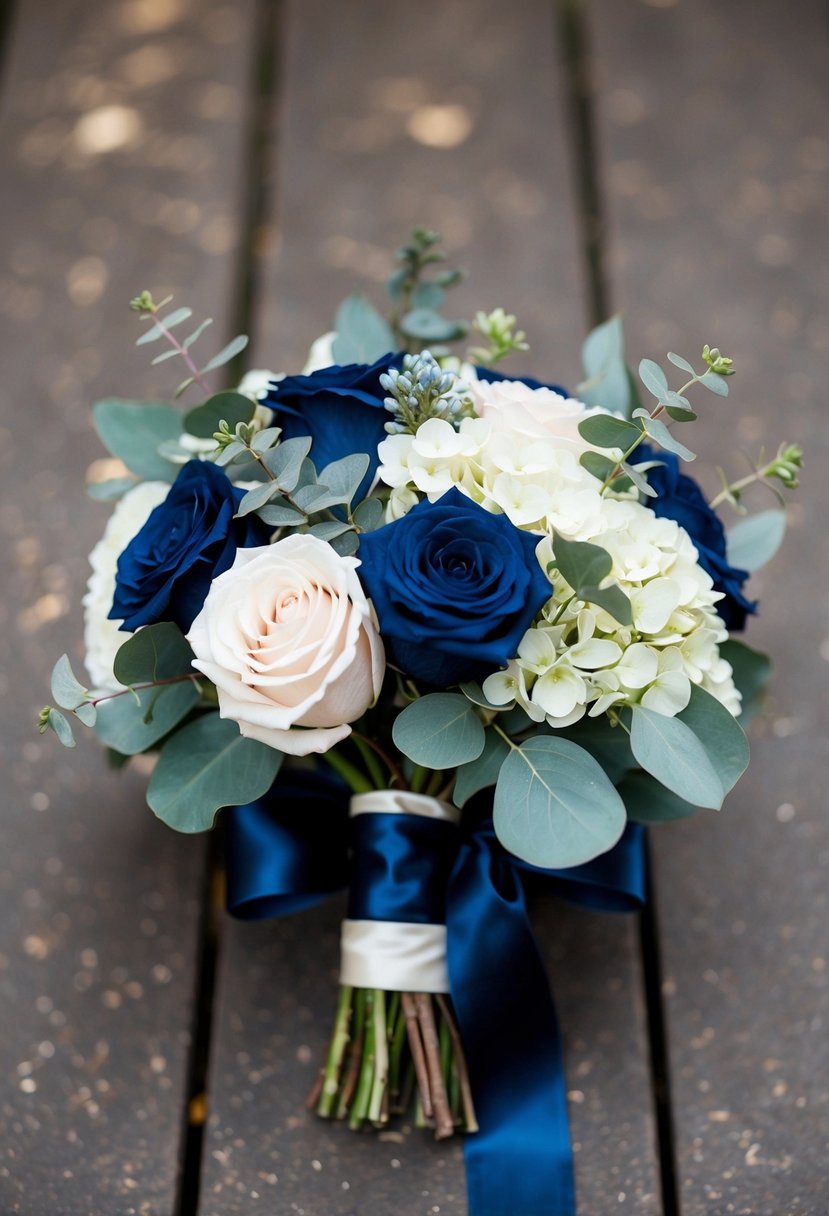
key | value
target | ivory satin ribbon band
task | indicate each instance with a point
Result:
(395, 955)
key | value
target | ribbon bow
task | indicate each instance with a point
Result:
(290, 849)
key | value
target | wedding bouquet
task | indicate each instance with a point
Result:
(494, 613)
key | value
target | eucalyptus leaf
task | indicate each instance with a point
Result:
(671, 752)
(369, 515)
(343, 477)
(661, 435)
(122, 723)
(608, 744)
(440, 730)
(647, 801)
(86, 713)
(554, 805)
(751, 673)
(285, 461)
(654, 379)
(362, 334)
(164, 356)
(426, 325)
(156, 652)
(256, 498)
(754, 540)
(346, 545)
(720, 734)
(111, 489)
(281, 515)
(229, 407)
(612, 599)
(714, 383)
(197, 333)
(205, 766)
(603, 360)
(314, 498)
(597, 464)
(427, 295)
(328, 529)
(233, 348)
(474, 693)
(133, 431)
(60, 725)
(639, 480)
(482, 772)
(605, 431)
(678, 361)
(66, 687)
(581, 564)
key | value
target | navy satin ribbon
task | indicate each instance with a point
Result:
(290, 849)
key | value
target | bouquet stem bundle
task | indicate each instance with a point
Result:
(384, 1047)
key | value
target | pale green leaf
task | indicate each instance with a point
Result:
(440, 730)
(554, 805)
(205, 766)
(754, 540)
(671, 752)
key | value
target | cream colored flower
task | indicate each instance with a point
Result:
(287, 635)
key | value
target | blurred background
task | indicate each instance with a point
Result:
(260, 160)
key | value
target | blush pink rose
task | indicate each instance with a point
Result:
(288, 637)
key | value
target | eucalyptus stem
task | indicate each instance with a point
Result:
(336, 1051)
(355, 1053)
(370, 760)
(356, 781)
(185, 354)
(381, 1059)
(444, 1126)
(362, 1098)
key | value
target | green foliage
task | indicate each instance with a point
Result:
(229, 407)
(502, 338)
(606, 382)
(66, 687)
(156, 652)
(439, 731)
(133, 724)
(369, 515)
(284, 462)
(483, 771)
(417, 318)
(133, 432)
(205, 766)
(754, 541)
(647, 801)
(162, 326)
(110, 490)
(53, 719)
(363, 336)
(720, 734)
(751, 674)
(720, 364)
(608, 744)
(342, 478)
(585, 566)
(554, 805)
(422, 389)
(605, 431)
(659, 433)
(670, 751)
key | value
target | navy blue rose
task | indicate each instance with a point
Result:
(681, 499)
(341, 408)
(454, 587)
(165, 572)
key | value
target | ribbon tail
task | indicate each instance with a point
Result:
(520, 1163)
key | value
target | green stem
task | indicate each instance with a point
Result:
(419, 777)
(110, 696)
(360, 1105)
(381, 1059)
(398, 1042)
(356, 781)
(355, 1055)
(736, 487)
(396, 772)
(369, 756)
(336, 1051)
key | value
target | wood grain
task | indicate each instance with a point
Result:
(713, 122)
(120, 152)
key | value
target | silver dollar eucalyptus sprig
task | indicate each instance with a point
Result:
(422, 389)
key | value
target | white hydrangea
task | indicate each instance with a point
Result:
(536, 482)
(541, 413)
(102, 637)
(577, 659)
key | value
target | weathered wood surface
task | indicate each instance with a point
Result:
(121, 143)
(383, 129)
(716, 164)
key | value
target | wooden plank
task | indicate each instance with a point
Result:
(714, 124)
(121, 153)
(367, 100)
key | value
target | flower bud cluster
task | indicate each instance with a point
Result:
(421, 390)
